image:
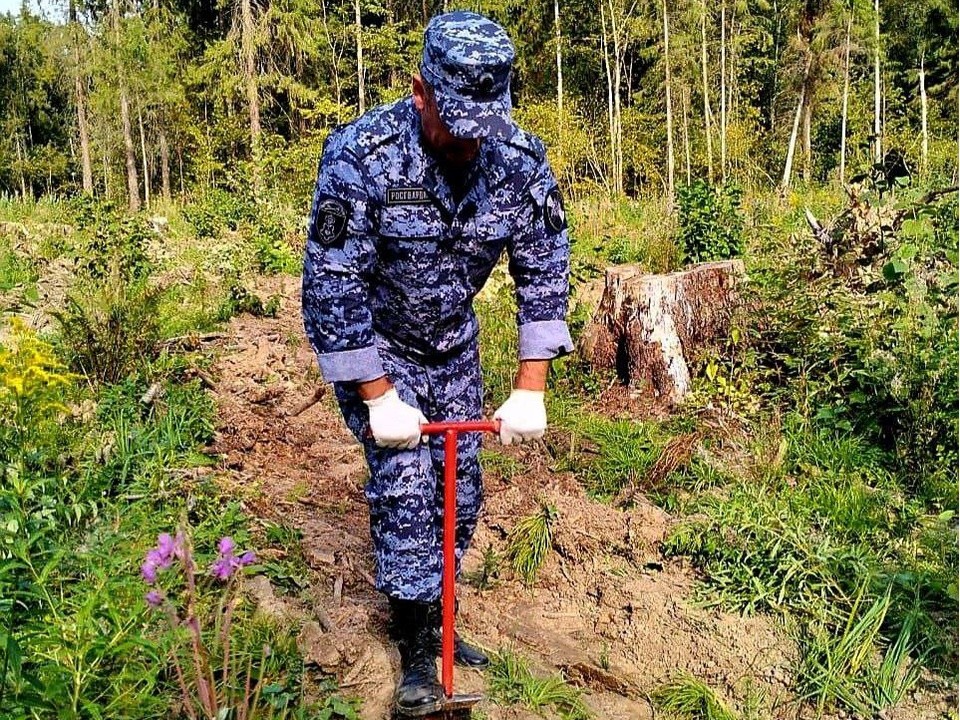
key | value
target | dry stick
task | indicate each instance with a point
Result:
(246, 690)
(317, 397)
(225, 638)
(188, 702)
(263, 661)
(193, 622)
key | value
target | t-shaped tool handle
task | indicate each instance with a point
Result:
(450, 430)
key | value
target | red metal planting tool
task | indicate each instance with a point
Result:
(452, 706)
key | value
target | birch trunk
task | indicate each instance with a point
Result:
(249, 50)
(791, 147)
(604, 45)
(686, 131)
(878, 145)
(133, 184)
(617, 81)
(807, 149)
(556, 26)
(846, 104)
(23, 179)
(164, 166)
(82, 130)
(666, 64)
(143, 157)
(359, 31)
(106, 174)
(706, 92)
(723, 90)
(924, 142)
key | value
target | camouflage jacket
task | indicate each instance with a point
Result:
(392, 257)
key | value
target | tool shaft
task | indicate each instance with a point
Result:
(450, 430)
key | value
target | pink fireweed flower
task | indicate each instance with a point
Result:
(148, 571)
(154, 598)
(227, 562)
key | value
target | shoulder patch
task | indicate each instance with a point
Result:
(554, 215)
(330, 224)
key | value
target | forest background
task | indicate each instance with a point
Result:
(157, 162)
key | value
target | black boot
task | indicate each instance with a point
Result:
(463, 654)
(418, 692)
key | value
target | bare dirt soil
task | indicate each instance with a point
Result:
(607, 609)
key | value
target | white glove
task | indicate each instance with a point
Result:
(394, 423)
(522, 417)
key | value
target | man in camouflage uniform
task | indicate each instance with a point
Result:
(414, 204)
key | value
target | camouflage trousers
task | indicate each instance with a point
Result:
(405, 490)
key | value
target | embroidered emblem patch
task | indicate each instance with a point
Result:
(407, 196)
(554, 216)
(330, 227)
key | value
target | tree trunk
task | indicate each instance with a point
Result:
(877, 144)
(558, 37)
(706, 92)
(791, 147)
(666, 64)
(164, 166)
(924, 142)
(23, 178)
(649, 328)
(359, 31)
(106, 173)
(686, 131)
(617, 81)
(133, 183)
(84, 133)
(143, 157)
(610, 120)
(846, 103)
(249, 50)
(723, 90)
(807, 143)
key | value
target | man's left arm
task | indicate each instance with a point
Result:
(539, 262)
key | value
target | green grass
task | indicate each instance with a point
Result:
(689, 698)
(511, 682)
(530, 541)
(16, 269)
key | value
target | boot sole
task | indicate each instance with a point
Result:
(458, 706)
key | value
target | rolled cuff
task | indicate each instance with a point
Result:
(544, 340)
(357, 365)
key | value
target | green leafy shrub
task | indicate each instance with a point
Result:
(112, 243)
(216, 209)
(111, 328)
(710, 221)
(870, 344)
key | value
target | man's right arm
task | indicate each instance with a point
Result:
(338, 262)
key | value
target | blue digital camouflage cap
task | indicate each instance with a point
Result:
(467, 60)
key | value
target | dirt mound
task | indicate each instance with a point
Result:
(606, 608)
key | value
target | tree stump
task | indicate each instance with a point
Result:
(651, 327)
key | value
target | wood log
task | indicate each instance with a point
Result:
(649, 328)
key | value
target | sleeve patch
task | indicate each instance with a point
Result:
(330, 225)
(554, 216)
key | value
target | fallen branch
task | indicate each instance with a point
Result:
(318, 395)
